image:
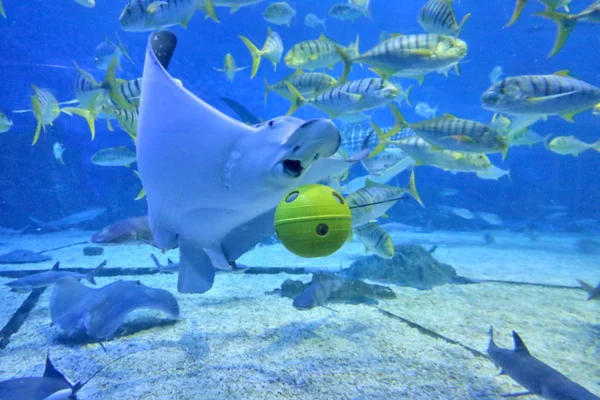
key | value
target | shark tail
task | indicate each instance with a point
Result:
(90, 277)
(564, 26)
(255, 53)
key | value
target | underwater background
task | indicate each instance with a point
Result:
(506, 252)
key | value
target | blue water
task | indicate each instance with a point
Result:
(38, 32)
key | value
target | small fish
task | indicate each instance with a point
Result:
(5, 123)
(551, 5)
(462, 212)
(496, 74)
(526, 137)
(73, 219)
(437, 16)
(346, 11)
(375, 199)
(320, 53)
(414, 56)
(312, 21)
(425, 111)
(235, 5)
(570, 145)
(147, 15)
(229, 67)
(566, 23)
(272, 50)
(451, 133)
(493, 173)
(58, 151)
(540, 95)
(279, 13)
(593, 292)
(114, 157)
(48, 278)
(348, 98)
(308, 84)
(106, 51)
(375, 239)
(86, 3)
(490, 218)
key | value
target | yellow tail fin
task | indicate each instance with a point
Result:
(517, 12)
(111, 85)
(89, 117)
(255, 53)
(209, 9)
(411, 188)
(564, 25)
(297, 99)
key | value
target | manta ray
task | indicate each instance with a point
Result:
(213, 183)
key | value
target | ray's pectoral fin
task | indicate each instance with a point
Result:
(196, 270)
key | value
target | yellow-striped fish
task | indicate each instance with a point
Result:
(150, 15)
(566, 22)
(128, 119)
(375, 239)
(271, 50)
(5, 123)
(229, 67)
(308, 84)
(320, 53)
(414, 56)
(451, 133)
(348, 98)
(557, 94)
(375, 199)
(425, 154)
(437, 16)
(570, 145)
(45, 109)
(551, 5)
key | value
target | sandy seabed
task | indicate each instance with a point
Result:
(236, 342)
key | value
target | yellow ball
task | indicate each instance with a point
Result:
(313, 221)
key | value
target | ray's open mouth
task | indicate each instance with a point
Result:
(293, 168)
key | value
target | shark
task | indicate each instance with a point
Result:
(593, 292)
(48, 278)
(212, 183)
(534, 375)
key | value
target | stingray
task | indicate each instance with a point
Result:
(100, 312)
(52, 385)
(21, 256)
(212, 183)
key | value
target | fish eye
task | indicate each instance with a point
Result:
(271, 123)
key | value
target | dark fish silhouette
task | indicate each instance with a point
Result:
(245, 115)
(534, 375)
(100, 312)
(593, 292)
(22, 256)
(70, 220)
(52, 385)
(47, 278)
(127, 230)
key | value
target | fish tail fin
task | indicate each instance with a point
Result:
(411, 188)
(111, 85)
(517, 12)
(209, 9)
(87, 114)
(347, 61)
(92, 275)
(36, 135)
(123, 50)
(546, 141)
(354, 47)
(142, 192)
(505, 150)
(36, 107)
(383, 142)
(564, 26)
(267, 90)
(255, 53)
(462, 25)
(2, 12)
(596, 145)
(297, 99)
(400, 121)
